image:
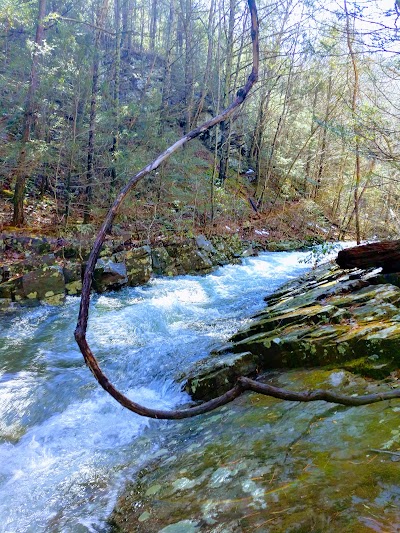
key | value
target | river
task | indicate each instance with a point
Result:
(66, 447)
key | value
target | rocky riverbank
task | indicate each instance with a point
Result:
(330, 317)
(46, 270)
(265, 465)
(260, 464)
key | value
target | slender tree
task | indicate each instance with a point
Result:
(100, 16)
(21, 172)
(354, 99)
(224, 126)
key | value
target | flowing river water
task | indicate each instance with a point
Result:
(66, 447)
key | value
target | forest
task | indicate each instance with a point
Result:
(92, 91)
(292, 111)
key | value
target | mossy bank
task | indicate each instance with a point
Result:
(46, 270)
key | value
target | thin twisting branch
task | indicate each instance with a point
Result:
(243, 383)
(81, 328)
(316, 395)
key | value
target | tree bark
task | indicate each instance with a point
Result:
(166, 88)
(117, 69)
(207, 72)
(93, 114)
(385, 254)
(322, 158)
(153, 24)
(355, 126)
(225, 125)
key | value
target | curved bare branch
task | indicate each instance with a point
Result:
(316, 395)
(81, 328)
(243, 383)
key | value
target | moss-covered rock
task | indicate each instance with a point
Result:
(45, 284)
(109, 275)
(284, 246)
(162, 262)
(262, 464)
(329, 317)
(228, 249)
(188, 259)
(209, 378)
(31, 262)
(138, 263)
(73, 278)
(24, 243)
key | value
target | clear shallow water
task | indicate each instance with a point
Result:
(65, 445)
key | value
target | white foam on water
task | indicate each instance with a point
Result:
(65, 445)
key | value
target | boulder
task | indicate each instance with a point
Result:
(109, 276)
(5, 304)
(332, 323)
(8, 288)
(22, 243)
(210, 378)
(73, 278)
(329, 318)
(45, 284)
(30, 263)
(162, 262)
(188, 258)
(138, 263)
(204, 244)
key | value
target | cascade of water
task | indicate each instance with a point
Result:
(65, 446)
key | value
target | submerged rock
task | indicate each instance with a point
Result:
(262, 464)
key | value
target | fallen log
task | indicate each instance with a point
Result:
(385, 254)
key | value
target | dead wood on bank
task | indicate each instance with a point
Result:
(384, 254)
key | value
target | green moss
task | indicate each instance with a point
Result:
(263, 463)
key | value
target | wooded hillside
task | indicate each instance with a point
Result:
(92, 91)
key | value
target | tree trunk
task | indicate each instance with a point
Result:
(29, 121)
(166, 88)
(313, 129)
(385, 254)
(322, 158)
(153, 25)
(117, 69)
(187, 25)
(207, 72)
(224, 126)
(355, 126)
(93, 114)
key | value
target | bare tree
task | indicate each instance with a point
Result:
(243, 383)
(21, 173)
(350, 39)
(100, 16)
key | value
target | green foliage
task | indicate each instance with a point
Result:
(320, 253)
(307, 137)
